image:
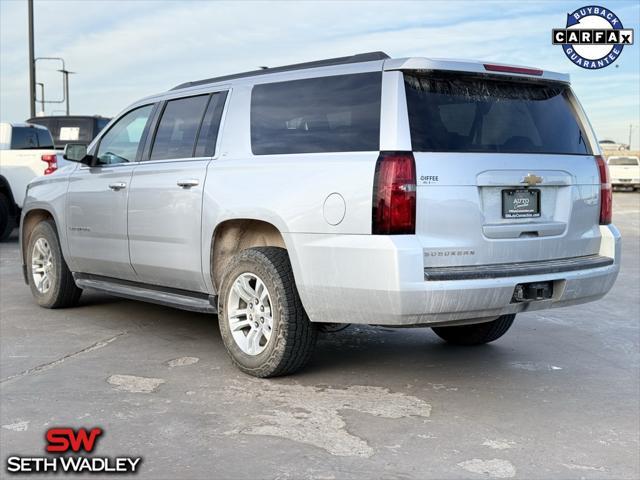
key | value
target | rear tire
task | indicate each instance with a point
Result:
(7, 219)
(262, 322)
(476, 333)
(52, 284)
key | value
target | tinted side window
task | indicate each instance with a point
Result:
(208, 135)
(328, 114)
(120, 143)
(44, 138)
(178, 127)
(23, 138)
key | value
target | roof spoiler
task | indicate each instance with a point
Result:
(359, 58)
(468, 66)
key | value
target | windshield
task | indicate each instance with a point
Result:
(623, 161)
(451, 113)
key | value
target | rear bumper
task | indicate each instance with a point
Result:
(381, 280)
(625, 183)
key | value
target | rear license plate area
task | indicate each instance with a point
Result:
(521, 203)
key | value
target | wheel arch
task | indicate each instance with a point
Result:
(29, 221)
(234, 235)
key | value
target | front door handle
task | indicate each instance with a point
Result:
(188, 183)
(117, 186)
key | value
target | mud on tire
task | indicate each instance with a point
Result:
(292, 337)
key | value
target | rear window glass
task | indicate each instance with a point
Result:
(44, 138)
(328, 114)
(75, 130)
(454, 114)
(177, 130)
(23, 138)
(623, 161)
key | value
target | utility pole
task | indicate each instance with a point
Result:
(41, 96)
(65, 82)
(32, 64)
(630, 129)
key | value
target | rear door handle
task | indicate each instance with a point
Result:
(188, 183)
(117, 186)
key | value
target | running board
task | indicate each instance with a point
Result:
(170, 297)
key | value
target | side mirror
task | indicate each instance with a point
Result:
(76, 152)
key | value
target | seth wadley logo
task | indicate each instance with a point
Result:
(593, 37)
(66, 440)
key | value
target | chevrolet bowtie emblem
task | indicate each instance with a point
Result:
(531, 179)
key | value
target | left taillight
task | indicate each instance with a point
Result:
(606, 197)
(394, 194)
(52, 163)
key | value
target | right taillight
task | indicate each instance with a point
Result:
(606, 199)
(52, 163)
(394, 194)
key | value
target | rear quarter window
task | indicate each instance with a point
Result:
(450, 113)
(328, 114)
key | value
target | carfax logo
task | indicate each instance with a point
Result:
(67, 442)
(593, 38)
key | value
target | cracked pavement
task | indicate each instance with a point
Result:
(557, 397)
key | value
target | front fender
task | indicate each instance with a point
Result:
(46, 195)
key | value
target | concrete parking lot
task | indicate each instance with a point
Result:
(557, 397)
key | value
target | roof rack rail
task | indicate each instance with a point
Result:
(361, 57)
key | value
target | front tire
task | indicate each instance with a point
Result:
(7, 219)
(50, 280)
(476, 333)
(262, 322)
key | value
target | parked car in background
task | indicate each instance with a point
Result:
(26, 151)
(625, 171)
(400, 192)
(611, 145)
(72, 129)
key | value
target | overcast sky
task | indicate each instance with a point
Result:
(123, 50)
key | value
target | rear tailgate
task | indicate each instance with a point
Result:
(624, 169)
(504, 172)
(19, 167)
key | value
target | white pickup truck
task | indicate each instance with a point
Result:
(624, 171)
(26, 151)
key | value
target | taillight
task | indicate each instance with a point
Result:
(394, 194)
(606, 199)
(52, 163)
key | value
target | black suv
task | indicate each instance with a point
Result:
(72, 129)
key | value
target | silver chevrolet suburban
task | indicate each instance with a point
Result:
(364, 189)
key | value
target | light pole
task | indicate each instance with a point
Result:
(32, 64)
(41, 96)
(65, 91)
(65, 82)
